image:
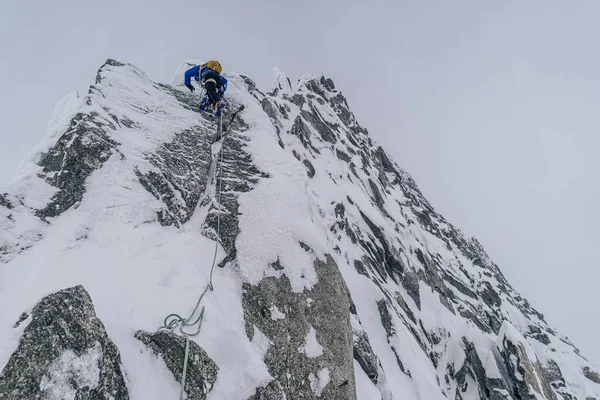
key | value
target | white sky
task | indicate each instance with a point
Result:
(491, 106)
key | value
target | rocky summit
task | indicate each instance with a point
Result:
(304, 263)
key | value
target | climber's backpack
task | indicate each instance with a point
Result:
(214, 65)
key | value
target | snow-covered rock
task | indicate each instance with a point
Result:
(64, 353)
(295, 353)
(201, 371)
(519, 365)
(335, 278)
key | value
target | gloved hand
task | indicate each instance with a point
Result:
(191, 88)
(203, 103)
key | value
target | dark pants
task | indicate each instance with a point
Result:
(212, 91)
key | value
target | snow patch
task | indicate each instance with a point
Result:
(312, 348)
(261, 342)
(365, 389)
(491, 367)
(277, 218)
(319, 381)
(509, 332)
(281, 82)
(64, 111)
(70, 372)
(275, 313)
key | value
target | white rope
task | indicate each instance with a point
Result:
(185, 363)
(172, 321)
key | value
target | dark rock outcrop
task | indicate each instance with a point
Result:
(488, 388)
(286, 318)
(310, 170)
(386, 318)
(234, 175)
(64, 351)
(80, 151)
(522, 373)
(201, 371)
(272, 391)
(4, 202)
(365, 356)
(180, 174)
(591, 375)
(556, 379)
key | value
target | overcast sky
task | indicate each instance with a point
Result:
(490, 105)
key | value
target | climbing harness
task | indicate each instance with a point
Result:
(172, 321)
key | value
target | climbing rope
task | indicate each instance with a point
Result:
(185, 364)
(172, 321)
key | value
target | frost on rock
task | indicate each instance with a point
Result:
(64, 112)
(72, 373)
(486, 377)
(319, 382)
(64, 353)
(312, 348)
(380, 224)
(276, 313)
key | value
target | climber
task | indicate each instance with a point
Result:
(210, 78)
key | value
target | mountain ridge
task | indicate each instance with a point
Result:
(338, 278)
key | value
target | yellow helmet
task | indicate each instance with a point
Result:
(214, 65)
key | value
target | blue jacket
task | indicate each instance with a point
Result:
(195, 72)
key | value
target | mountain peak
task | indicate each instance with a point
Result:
(325, 271)
(281, 83)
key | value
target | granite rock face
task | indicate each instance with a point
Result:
(64, 352)
(201, 371)
(79, 152)
(521, 369)
(291, 321)
(391, 235)
(235, 174)
(179, 174)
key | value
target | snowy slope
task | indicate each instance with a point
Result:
(336, 279)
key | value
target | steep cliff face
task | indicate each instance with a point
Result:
(335, 277)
